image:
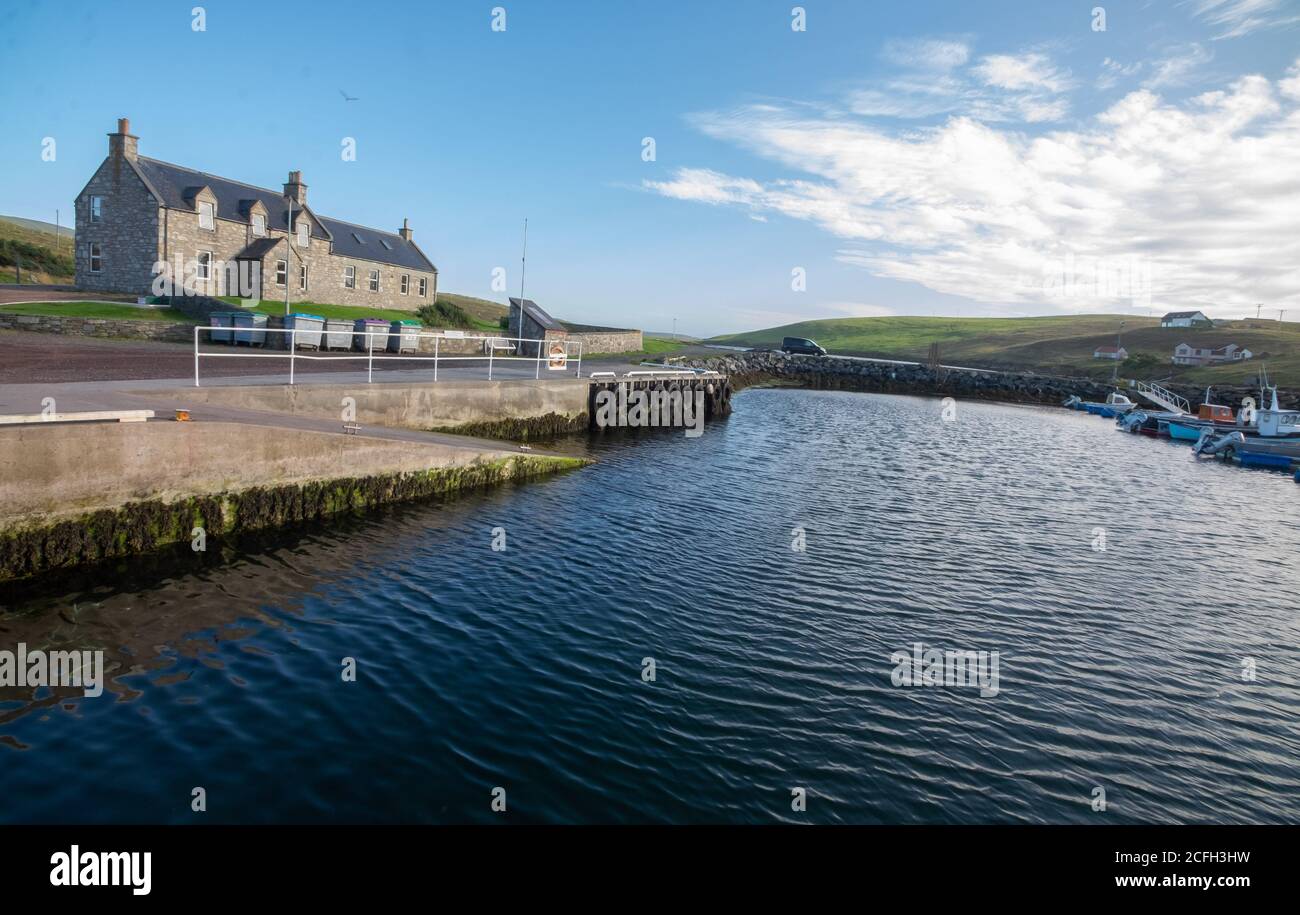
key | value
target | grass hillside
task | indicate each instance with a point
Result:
(45, 257)
(481, 310)
(1056, 345)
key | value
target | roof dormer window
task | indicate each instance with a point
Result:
(207, 215)
(304, 231)
(259, 224)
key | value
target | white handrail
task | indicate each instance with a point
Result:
(371, 348)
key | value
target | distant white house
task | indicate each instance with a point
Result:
(1186, 319)
(1186, 354)
(1118, 353)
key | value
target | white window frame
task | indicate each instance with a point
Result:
(96, 208)
(424, 286)
(281, 272)
(374, 280)
(259, 220)
(349, 277)
(406, 284)
(96, 253)
(304, 234)
(210, 208)
(203, 271)
(302, 277)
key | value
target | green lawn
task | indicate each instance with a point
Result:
(1054, 345)
(98, 310)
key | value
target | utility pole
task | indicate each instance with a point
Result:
(1258, 308)
(523, 263)
(288, 262)
(674, 330)
(1119, 344)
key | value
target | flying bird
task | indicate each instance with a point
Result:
(348, 98)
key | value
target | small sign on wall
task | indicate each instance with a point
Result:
(558, 356)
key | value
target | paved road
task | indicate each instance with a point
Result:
(27, 357)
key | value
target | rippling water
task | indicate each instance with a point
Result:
(523, 668)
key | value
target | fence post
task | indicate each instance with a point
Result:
(370, 356)
(435, 357)
(491, 352)
(579, 358)
(196, 355)
(538, 374)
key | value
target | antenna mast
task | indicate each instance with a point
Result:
(523, 263)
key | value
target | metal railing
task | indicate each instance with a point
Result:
(1163, 397)
(376, 349)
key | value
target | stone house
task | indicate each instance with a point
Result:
(140, 221)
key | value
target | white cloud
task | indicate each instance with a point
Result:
(1023, 71)
(927, 54)
(1290, 87)
(1112, 71)
(936, 80)
(1241, 17)
(1202, 194)
(1179, 69)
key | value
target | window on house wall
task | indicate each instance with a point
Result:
(204, 270)
(350, 277)
(281, 272)
(96, 257)
(304, 231)
(302, 276)
(406, 283)
(96, 208)
(207, 216)
(259, 224)
(374, 280)
(424, 287)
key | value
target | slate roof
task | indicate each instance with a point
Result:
(177, 185)
(537, 313)
(1180, 314)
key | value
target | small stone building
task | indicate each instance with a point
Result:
(141, 222)
(530, 321)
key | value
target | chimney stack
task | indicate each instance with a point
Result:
(295, 189)
(122, 145)
(405, 230)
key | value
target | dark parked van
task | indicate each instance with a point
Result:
(801, 346)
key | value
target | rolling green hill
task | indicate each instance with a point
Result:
(1054, 345)
(45, 257)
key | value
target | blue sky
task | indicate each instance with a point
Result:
(909, 158)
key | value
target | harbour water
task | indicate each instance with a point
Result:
(770, 568)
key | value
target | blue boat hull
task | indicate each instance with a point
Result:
(1184, 433)
(1250, 459)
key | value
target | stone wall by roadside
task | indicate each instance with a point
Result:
(99, 327)
(837, 373)
(593, 342)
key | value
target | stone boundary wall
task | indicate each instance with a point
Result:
(99, 327)
(834, 373)
(626, 341)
